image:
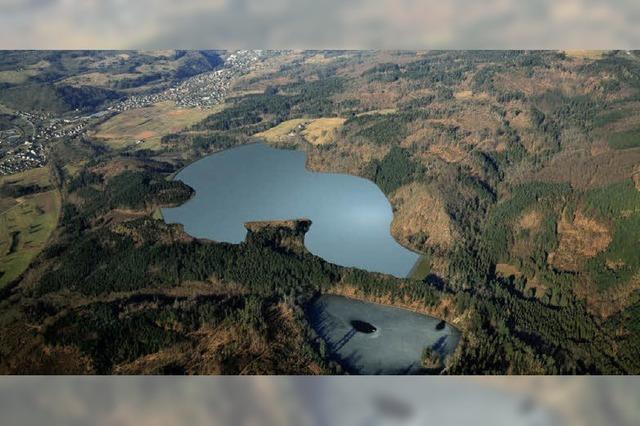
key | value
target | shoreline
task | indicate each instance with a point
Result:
(252, 141)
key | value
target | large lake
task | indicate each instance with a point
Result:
(392, 345)
(350, 216)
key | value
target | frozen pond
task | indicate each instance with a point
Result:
(373, 339)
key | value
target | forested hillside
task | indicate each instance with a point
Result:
(516, 174)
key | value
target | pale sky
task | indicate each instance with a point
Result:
(419, 24)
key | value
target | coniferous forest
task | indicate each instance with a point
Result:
(515, 174)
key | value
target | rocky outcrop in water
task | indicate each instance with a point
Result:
(287, 235)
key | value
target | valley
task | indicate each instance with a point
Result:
(511, 174)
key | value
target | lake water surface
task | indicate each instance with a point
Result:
(350, 216)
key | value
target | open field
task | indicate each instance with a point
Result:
(282, 130)
(581, 239)
(15, 77)
(5, 110)
(99, 79)
(148, 125)
(26, 226)
(378, 111)
(584, 54)
(322, 130)
(506, 270)
(39, 176)
(315, 131)
(625, 140)
(22, 75)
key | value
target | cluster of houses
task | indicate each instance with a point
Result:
(24, 148)
(20, 150)
(202, 90)
(25, 156)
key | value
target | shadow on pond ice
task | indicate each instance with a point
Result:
(368, 338)
(363, 327)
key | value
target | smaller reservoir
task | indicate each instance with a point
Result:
(368, 338)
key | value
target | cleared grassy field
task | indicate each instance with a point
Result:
(97, 79)
(39, 176)
(507, 270)
(14, 77)
(585, 54)
(26, 226)
(149, 125)
(315, 131)
(280, 131)
(21, 76)
(625, 140)
(322, 130)
(378, 111)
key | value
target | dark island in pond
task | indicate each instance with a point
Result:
(363, 327)
(367, 338)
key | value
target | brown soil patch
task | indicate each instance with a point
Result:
(322, 130)
(463, 94)
(213, 341)
(448, 152)
(474, 122)
(97, 79)
(289, 339)
(507, 270)
(430, 142)
(471, 95)
(375, 95)
(153, 363)
(28, 354)
(584, 170)
(542, 81)
(348, 158)
(584, 54)
(536, 285)
(118, 166)
(501, 147)
(581, 239)
(378, 112)
(477, 117)
(531, 142)
(420, 214)
(149, 123)
(530, 220)
(177, 113)
(609, 302)
(599, 148)
(518, 116)
(232, 349)
(422, 136)
(204, 355)
(146, 134)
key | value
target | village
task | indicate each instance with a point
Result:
(202, 90)
(24, 147)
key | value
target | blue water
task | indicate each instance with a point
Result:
(350, 216)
